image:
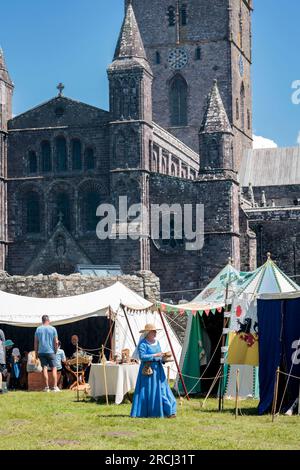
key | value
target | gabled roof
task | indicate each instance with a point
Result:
(215, 118)
(271, 167)
(47, 114)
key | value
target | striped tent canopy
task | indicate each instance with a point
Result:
(215, 291)
(268, 279)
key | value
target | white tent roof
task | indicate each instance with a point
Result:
(27, 311)
(268, 279)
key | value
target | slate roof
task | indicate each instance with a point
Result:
(271, 167)
(130, 45)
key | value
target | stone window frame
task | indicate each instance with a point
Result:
(86, 186)
(50, 142)
(56, 166)
(74, 140)
(171, 15)
(242, 106)
(32, 153)
(21, 211)
(184, 15)
(183, 119)
(198, 53)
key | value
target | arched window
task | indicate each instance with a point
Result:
(237, 109)
(198, 53)
(32, 163)
(243, 106)
(241, 33)
(183, 15)
(118, 100)
(171, 16)
(46, 156)
(91, 201)
(61, 154)
(89, 159)
(155, 162)
(62, 210)
(157, 57)
(76, 154)
(248, 119)
(213, 149)
(178, 101)
(33, 222)
(133, 99)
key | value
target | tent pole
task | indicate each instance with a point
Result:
(104, 373)
(237, 392)
(175, 358)
(131, 332)
(77, 370)
(275, 394)
(225, 324)
(110, 334)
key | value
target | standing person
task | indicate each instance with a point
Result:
(45, 346)
(153, 397)
(60, 362)
(15, 369)
(2, 357)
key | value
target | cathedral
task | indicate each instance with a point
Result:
(178, 128)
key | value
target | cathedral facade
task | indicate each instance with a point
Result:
(178, 129)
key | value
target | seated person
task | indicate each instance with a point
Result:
(33, 364)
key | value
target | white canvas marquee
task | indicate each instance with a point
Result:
(27, 312)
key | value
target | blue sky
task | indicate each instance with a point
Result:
(47, 41)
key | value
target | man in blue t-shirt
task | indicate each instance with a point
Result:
(45, 346)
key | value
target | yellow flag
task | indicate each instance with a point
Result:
(243, 349)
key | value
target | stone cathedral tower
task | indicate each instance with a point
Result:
(189, 44)
(6, 92)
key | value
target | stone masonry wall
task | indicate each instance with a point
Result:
(143, 283)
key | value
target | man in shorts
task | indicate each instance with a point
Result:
(45, 346)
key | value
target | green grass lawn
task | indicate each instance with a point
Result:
(57, 421)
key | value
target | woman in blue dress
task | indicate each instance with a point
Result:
(153, 397)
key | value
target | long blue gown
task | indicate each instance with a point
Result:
(153, 397)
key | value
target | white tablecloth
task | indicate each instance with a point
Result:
(120, 380)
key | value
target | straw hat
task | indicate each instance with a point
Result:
(150, 327)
